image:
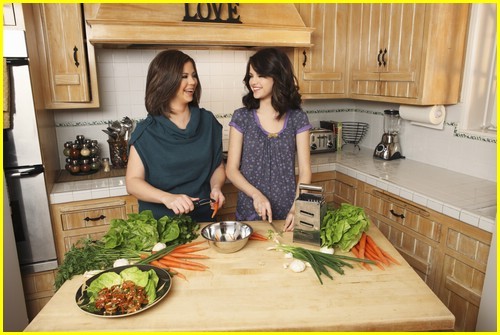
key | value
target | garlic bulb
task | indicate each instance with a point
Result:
(297, 265)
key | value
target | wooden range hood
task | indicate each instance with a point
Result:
(130, 24)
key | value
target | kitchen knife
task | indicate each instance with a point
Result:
(276, 228)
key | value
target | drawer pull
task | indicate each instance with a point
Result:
(102, 217)
(396, 214)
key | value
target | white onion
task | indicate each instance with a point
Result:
(121, 262)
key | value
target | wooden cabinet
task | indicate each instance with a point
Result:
(407, 53)
(66, 59)
(345, 190)
(449, 255)
(90, 218)
(322, 68)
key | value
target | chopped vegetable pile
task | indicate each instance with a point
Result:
(122, 293)
(343, 227)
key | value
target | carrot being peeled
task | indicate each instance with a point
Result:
(216, 208)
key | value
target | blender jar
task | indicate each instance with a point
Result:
(391, 121)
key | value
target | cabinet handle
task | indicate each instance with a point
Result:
(102, 217)
(396, 214)
(378, 57)
(305, 58)
(75, 50)
(383, 57)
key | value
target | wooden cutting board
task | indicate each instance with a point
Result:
(250, 290)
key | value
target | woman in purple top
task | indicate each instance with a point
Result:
(264, 138)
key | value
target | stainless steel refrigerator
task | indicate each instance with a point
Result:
(23, 168)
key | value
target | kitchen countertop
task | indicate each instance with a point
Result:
(466, 198)
(251, 291)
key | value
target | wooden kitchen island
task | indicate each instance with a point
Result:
(250, 290)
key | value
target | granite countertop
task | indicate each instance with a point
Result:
(466, 198)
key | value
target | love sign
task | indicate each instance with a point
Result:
(212, 12)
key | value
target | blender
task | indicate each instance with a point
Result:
(389, 147)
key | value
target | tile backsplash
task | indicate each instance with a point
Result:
(122, 79)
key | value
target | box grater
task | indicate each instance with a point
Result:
(309, 212)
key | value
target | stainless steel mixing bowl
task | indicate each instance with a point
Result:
(227, 236)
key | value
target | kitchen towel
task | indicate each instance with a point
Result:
(7, 117)
(425, 116)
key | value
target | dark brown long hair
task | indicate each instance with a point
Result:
(163, 80)
(274, 63)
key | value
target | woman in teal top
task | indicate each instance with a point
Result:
(175, 154)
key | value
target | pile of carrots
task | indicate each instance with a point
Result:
(368, 249)
(182, 257)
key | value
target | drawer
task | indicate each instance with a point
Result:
(100, 215)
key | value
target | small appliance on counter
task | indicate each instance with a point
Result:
(389, 147)
(310, 210)
(322, 140)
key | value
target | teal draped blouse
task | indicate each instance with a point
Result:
(179, 161)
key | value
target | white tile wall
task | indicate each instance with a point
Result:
(122, 79)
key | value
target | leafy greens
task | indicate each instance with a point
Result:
(343, 227)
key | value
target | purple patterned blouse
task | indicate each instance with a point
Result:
(268, 161)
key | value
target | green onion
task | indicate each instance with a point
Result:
(320, 262)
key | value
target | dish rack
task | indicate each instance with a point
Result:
(353, 132)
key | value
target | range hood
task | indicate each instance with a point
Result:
(203, 24)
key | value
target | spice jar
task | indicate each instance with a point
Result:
(105, 164)
(74, 153)
(67, 148)
(85, 166)
(85, 150)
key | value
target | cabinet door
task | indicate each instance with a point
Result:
(322, 69)
(386, 43)
(64, 46)
(401, 52)
(67, 61)
(366, 39)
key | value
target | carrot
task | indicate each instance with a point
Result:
(188, 250)
(369, 240)
(216, 208)
(362, 245)
(181, 265)
(187, 255)
(389, 257)
(183, 261)
(188, 245)
(178, 274)
(371, 254)
(257, 236)
(158, 264)
(355, 251)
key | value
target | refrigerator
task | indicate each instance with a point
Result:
(22, 161)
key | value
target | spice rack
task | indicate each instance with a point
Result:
(82, 156)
